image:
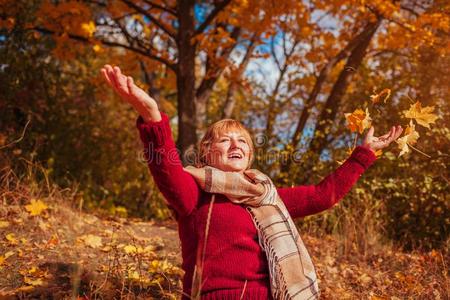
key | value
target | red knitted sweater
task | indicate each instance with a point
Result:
(233, 257)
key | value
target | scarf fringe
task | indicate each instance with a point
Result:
(278, 284)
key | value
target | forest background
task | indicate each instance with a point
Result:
(291, 71)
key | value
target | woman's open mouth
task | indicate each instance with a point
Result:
(235, 156)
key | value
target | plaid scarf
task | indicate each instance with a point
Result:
(292, 274)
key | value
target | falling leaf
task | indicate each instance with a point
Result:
(97, 48)
(11, 238)
(92, 241)
(358, 120)
(88, 28)
(383, 95)
(410, 137)
(35, 208)
(422, 115)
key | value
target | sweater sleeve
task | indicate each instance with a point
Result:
(177, 186)
(307, 200)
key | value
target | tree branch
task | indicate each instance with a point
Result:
(163, 8)
(153, 19)
(113, 44)
(211, 16)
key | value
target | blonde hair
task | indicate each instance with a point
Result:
(213, 133)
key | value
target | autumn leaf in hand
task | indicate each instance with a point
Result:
(383, 95)
(358, 120)
(410, 137)
(422, 115)
(35, 208)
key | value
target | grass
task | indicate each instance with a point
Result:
(65, 253)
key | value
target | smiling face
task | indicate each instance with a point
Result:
(226, 145)
(229, 152)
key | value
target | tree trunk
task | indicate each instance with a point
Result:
(329, 111)
(355, 51)
(213, 73)
(230, 99)
(187, 125)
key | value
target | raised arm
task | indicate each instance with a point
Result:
(306, 200)
(310, 199)
(178, 187)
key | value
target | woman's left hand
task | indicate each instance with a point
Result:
(375, 143)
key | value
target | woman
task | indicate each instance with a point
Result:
(222, 248)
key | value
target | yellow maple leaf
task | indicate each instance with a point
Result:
(11, 238)
(35, 208)
(4, 224)
(410, 137)
(92, 241)
(358, 120)
(422, 115)
(384, 94)
(88, 28)
(97, 48)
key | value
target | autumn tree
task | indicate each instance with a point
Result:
(167, 38)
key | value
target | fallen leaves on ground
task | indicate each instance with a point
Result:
(71, 251)
(92, 241)
(117, 259)
(36, 207)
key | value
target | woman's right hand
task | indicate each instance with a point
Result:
(145, 105)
